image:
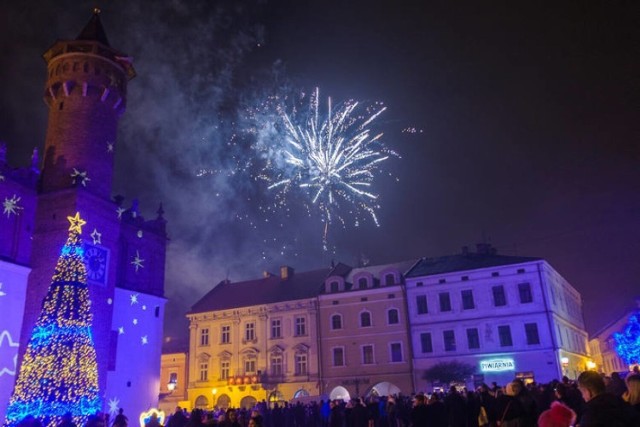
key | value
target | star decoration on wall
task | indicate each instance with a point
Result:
(80, 176)
(76, 223)
(121, 330)
(137, 261)
(114, 405)
(145, 340)
(144, 307)
(109, 147)
(109, 301)
(96, 236)
(133, 298)
(140, 234)
(135, 321)
(2, 293)
(120, 210)
(1, 177)
(10, 206)
(7, 340)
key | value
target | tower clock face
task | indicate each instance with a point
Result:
(96, 260)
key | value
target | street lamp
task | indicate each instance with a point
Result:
(172, 385)
(214, 391)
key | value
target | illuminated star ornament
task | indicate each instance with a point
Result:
(109, 147)
(137, 261)
(120, 211)
(134, 298)
(76, 223)
(10, 206)
(121, 330)
(96, 236)
(145, 340)
(114, 405)
(1, 177)
(80, 176)
(2, 293)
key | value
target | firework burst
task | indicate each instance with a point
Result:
(329, 157)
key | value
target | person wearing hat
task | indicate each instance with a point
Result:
(558, 415)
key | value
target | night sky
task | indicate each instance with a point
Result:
(524, 131)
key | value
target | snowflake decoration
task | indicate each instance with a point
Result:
(145, 340)
(120, 211)
(80, 176)
(96, 236)
(114, 405)
(10, 206)
(121, 330)
(137, 261)
(109, 147)
(134, 298)
(5, 335)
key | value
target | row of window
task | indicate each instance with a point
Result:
(276, 366)
(300, 327)
(468, 302)
(300, 330)
(473, 338)
(364, 282)
(393, 318)
(367, 355)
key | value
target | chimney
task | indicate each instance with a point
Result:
(286, 272)
(485, 249)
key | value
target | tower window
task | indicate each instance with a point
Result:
(61, 106)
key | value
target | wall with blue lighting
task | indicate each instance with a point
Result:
(134, 382)
(13, 286)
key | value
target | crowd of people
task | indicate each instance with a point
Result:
(593, 400)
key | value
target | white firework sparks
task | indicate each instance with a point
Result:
(332, 158)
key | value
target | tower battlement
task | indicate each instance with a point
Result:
(87, 69)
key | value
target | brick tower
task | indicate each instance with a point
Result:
(85, 92)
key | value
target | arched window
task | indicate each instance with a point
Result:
(336, 322)
(334, 287)
(389, 279)
(362, 283)
(365, 319)
(224, 401)
(202, 402)
(393, 317)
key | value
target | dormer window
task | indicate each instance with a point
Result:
(389, 279)
(362, 283)
(334, 286)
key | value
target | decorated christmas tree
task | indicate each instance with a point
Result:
(628, 341)
(59, 373)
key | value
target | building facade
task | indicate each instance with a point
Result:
(85, 93)
(377, 330)
(173, 381)
(363, 325)
(255, 340)
(503, 316)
